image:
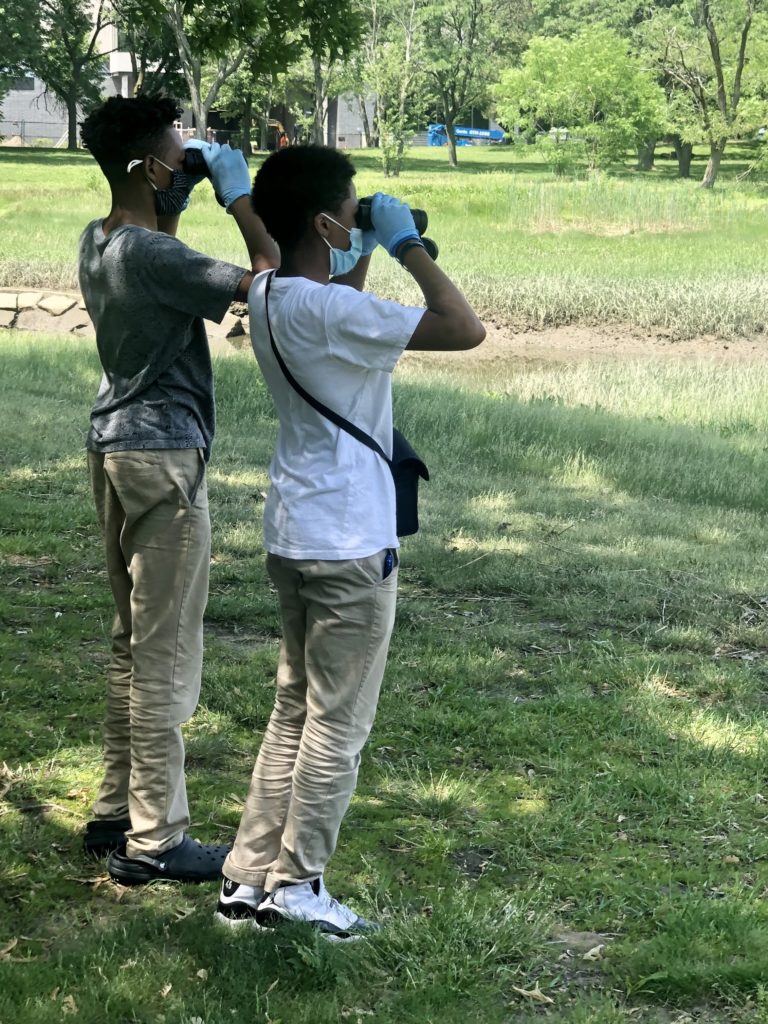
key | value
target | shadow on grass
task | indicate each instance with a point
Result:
(462, 784)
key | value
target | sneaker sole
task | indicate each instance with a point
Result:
(272, 920)
(238, 923)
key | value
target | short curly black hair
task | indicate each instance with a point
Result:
(121, 130)
(295, 184)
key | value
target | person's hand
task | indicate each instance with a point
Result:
(205, 148)
(229, 173)
(370, 241)
(392, 222)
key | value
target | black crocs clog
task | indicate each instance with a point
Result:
(190, 861)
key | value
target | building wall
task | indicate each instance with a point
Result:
(345, 122)
(30, 115)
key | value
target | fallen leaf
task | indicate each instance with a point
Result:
(166, 989)
(7, 949)
(731, 859)
(621, 817)
(55, 994)
(596, 953)
(202, 974)
(534, 994)
(69, 1005)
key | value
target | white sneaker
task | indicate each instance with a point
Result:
(311, 902)
(238, 904)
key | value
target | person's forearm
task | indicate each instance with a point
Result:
(449, 323)
(262, 250)
(356, 277)
(440, 293)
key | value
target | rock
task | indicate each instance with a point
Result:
(223, 329)
(9, 300)
(236, 330)
(57, 305)
(35, 320)
(6, 317)
(71, 320)
(29, 300)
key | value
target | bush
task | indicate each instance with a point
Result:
(564, 159)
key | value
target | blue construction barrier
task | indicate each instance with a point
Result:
(437, 135)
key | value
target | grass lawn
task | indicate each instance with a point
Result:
(529, 248)
(562, 811)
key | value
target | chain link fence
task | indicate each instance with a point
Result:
(33, 133)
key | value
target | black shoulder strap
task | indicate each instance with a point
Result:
(334, 417)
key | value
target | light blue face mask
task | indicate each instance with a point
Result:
(344, 260)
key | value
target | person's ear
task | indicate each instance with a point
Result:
(153, 170)
(322, 224)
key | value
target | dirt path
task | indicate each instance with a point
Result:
(569, 344)
(64, 313)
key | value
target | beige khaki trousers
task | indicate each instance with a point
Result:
(337, 619)
(153, 510)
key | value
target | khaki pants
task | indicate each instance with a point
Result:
(153, 510)
(337, 619)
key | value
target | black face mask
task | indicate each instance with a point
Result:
(169, 202)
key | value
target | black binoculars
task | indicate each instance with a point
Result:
(420, 219)
(195, 165)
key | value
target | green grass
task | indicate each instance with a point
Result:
(571, 736)
(530, 249)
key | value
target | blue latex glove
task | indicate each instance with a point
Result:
(392, 222)
(229, 173)
(370, 242)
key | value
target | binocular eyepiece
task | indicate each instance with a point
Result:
(194, 164)
(420, 219)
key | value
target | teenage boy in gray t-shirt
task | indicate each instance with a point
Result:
(150, 438)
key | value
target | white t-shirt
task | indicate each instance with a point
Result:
(331, 496)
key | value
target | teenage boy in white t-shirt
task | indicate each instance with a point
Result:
(329, 521)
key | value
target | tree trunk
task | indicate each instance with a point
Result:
(245, 131)
(449, 130)
(366, 123)
(317, 119)
(200, 113)
(375, 128)
(716, 150)
(72, 118)
(684, 154)
(646, 152)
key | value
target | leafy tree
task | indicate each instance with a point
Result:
(389, 67)
(213, 38)
(702, 48)
(248, 94)
(589, 84)
(151, 47)
(66, 56)
(331, 30)
(19, 41)
(463, 41)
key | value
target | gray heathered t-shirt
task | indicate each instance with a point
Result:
(147, 294)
